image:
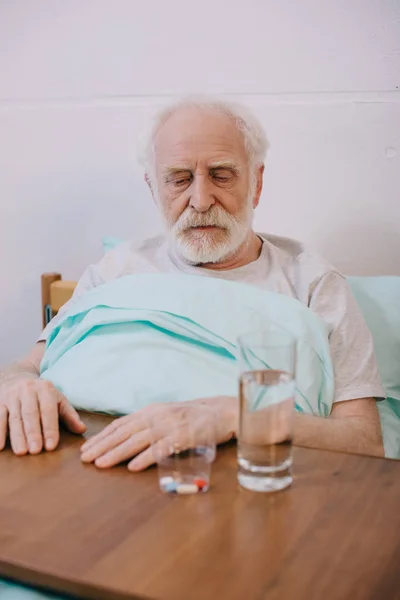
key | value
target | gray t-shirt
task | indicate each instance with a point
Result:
(284, 266)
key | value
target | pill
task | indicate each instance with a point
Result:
(170, 487)
(201, 483)
(166, 480)
(168, 484)
(187, 488)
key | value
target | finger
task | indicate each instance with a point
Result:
(104, 433)
(17, 434)
(142, 461)
(127, 449)
(31, 420)
(48, 403)
(70, 416)
(156, 452)
(106, 444)
(3, 426)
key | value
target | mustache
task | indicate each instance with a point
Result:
(214, 217)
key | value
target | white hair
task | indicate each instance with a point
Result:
(255, 140)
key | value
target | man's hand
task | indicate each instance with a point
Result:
(29, 413)
(131, 436)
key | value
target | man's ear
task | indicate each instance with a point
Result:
(257, 194)
(148, 181)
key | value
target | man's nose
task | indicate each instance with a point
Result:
(201, 198)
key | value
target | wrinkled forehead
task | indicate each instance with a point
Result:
(195, 135)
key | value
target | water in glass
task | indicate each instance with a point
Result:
(265, 429)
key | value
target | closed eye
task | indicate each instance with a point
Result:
(221, 178)
(222, 175)
(178, 179)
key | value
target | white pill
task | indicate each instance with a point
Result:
(166, 480)
(187, 488)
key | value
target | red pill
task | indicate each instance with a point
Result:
(201, 483)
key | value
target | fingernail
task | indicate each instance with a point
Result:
(34, 447)
(49, 444)
(86, 457)
(20, 451)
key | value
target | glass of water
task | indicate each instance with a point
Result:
(184, 447)
(267, 388)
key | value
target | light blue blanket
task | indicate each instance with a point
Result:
(160, 338)
(15, 591)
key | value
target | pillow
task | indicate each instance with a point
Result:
(109, 242)
(379, 300)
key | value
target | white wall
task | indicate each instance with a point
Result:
(78, 78)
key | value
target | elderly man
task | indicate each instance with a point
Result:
(204, 167)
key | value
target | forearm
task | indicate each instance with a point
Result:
(349, 434)
(352, 426)
(27, 368)
(23, 369)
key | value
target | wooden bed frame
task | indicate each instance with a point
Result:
(55, 293)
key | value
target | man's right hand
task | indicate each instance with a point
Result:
(29, 413)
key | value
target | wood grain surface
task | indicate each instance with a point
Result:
(334, 535)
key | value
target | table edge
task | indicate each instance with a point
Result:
(46, 581)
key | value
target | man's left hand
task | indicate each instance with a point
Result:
(130, 436)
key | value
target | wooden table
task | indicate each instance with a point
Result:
(112, 535)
